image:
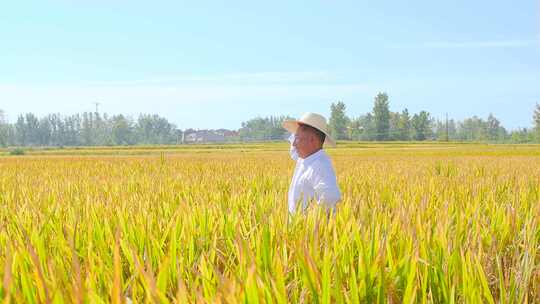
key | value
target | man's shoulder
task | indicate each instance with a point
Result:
(323, 162)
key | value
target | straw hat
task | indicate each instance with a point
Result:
(313, 120)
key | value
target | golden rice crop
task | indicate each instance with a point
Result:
(418, 223)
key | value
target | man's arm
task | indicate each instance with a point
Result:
(292, 150)
(325, 186)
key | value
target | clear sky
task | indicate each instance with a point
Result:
(215, 64)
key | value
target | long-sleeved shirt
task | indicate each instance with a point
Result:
(313, 179)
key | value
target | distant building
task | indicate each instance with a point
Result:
(208, 136)
(227, 133)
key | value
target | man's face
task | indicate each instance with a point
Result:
(303, 142)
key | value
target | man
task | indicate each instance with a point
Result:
(314, 177)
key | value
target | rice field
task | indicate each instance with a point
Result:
(419, 223)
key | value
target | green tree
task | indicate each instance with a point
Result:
(153, 129)
(495, 131)
(32, 129)
(521, 136)
(101, 130)
(354, 129)
(87, 129)
(267, 128)
(452, 129)
(57, 129)
(365, 127)
(473, 129)
(4, 129)
(404, 126)
(422, 125)
(72, 130)
(536, 118)
(338, 121)
(256, 128)
(381, 116)
(440, 130)
(394, 133)
(44, 132)
(276, 129)
(122, 130)
(20, 131)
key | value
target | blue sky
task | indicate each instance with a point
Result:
(215, 64)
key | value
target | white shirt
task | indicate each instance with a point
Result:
(313, 179)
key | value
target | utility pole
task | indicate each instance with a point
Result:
(447, 137)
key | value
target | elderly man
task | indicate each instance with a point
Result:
(314, 177)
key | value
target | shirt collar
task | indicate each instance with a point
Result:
(313, 157)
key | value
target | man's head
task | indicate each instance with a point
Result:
(308, 140)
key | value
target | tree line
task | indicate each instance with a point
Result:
(86, 129)
(381, 124)
(263, 128)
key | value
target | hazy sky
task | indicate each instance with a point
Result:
(215, 64)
